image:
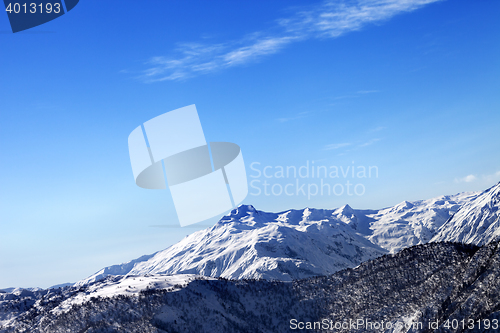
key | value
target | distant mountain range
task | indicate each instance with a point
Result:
(252, 244)
(294, 244)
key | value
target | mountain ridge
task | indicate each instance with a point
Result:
(296, 243)
(248, 243)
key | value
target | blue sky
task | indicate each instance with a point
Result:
(410, 87)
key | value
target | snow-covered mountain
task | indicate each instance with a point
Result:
(248, 243)
(294, 244)
(477, 222)
(410, 223)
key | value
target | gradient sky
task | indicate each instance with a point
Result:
(409, 86)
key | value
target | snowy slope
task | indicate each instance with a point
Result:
(127, 286)
(61, 300)
(293, 244)
(410, 223)
(477, 222)
(252, 244)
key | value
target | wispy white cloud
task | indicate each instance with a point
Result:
(484, 179)
(363, 92)
(344, 97)
(368, 143)
(297, 116)
(268, 45)
(377, 129)
(466, 179)
(329, 19)
(351, 145)
(337, 145)
(357, 94)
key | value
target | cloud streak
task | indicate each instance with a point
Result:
(329, 19)
(351, 145)
(337, 145)
(368, 143)
(466, 179)
(488, 179)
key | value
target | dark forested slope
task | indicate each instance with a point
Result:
(421, 285)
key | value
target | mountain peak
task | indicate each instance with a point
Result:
(242, 213)
(346, 210)
(347, 215)
(404, 206)
(244, 208)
